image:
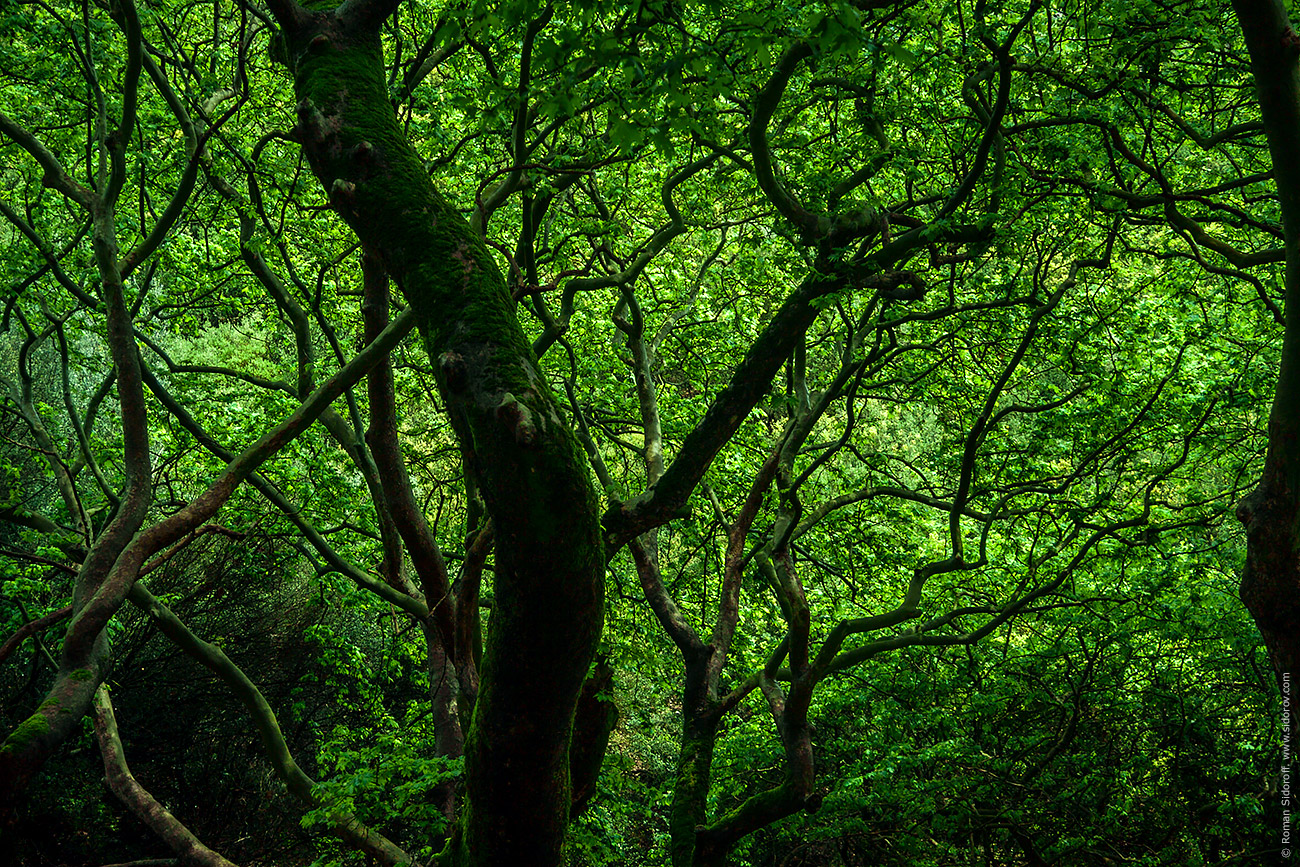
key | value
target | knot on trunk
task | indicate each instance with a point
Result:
(518, 419)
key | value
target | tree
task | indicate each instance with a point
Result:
(949, 234)
(1272, 511)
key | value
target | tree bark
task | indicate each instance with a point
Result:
(1270, 584)
(188, 848)
(533, 477)
(593, 723)
(689, 810)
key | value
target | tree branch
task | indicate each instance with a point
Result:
(180, 839)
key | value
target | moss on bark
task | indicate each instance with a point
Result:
(527, 463)
(691, 792)
(34, 726)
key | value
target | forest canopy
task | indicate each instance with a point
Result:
(646, 433)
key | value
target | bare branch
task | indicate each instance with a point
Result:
(182, 841)
(345, 825)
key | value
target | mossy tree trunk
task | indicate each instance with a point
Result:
(1270, 585)
(532, 475)
(700, 721)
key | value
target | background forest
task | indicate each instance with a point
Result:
(884, 375)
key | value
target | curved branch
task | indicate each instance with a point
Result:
(188, 848)
(31, 628)
(347, 826)
(182, 190)
(406, 513)
(385, 591)
(50, 257)
(764, 107)
(497, 196)
(121, 137)
(55, 175)
(992, 132)
(662, 604)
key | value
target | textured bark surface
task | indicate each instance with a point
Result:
(534, 479)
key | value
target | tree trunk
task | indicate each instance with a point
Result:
(700, 720)
(593, 723)
(533, 477)
(1270, 585)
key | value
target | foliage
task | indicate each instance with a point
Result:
(920, 351)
